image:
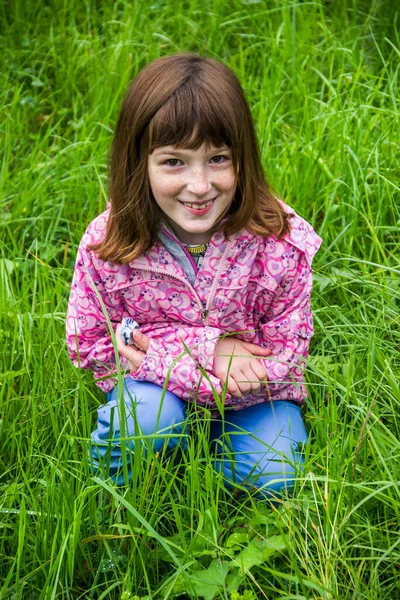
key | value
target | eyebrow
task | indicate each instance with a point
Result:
(180, 152)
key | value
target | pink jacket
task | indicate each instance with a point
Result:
(257, 286)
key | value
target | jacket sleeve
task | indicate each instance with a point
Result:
(88, 338)
(179, 359)
(286, 326)
(90, 347)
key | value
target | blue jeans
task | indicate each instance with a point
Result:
(256, 447)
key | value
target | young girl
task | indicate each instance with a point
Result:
(193, 246)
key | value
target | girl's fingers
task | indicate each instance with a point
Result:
(256, 350)
(240, 384)
(244, 384)
(141, 340)
(135, 358)
(233, 388)
(249, 382)
(133, 355)
(259, 370)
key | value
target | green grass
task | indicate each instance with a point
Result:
(322, 81)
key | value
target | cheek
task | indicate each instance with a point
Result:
(227, 181)
(163, 185)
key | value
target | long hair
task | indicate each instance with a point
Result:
(183, 100)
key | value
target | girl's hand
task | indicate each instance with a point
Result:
(246, 373)
(132, 354)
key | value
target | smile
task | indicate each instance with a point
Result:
(198, 206)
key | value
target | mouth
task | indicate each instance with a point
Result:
(197, 208)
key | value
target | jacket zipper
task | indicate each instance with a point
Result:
(216, 279)
(190, 257)
(204, 310)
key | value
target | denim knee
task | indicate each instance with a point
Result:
(263, 449)
(151, 420)
(272, 474)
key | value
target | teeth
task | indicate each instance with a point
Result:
(196, 206)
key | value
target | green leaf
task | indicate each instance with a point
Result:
(234, 580)
(250, 556)
(247, 595)
(195, 547)
(273, 545)
(259, 551)
(237, 540)
(208, 582)
(12, 374)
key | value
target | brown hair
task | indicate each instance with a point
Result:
(183, 100)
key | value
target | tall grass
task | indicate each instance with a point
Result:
(322, 81)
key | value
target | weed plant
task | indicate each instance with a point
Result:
(322, 82)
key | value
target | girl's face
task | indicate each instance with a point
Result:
(192, 188)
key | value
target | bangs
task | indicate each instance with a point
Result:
(195, 114)
(186, 101)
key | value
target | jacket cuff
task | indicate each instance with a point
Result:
(209, 339)
(155, 363)
(158, 358)
(276, 370)
(284, 371)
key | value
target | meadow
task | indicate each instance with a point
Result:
(322, 82)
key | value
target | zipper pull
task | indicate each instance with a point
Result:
(204, 314)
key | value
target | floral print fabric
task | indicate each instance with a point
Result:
(253, 287)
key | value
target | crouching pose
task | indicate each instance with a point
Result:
(215, 270)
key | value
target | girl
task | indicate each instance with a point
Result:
(193, 246)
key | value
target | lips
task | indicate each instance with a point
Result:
(198, 205)
(197, 208)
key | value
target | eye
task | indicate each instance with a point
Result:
(172, 160)
(220, 156)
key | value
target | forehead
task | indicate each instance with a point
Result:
(177, 150)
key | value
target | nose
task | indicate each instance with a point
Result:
(199, 181)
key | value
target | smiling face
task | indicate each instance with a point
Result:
(193, 188)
